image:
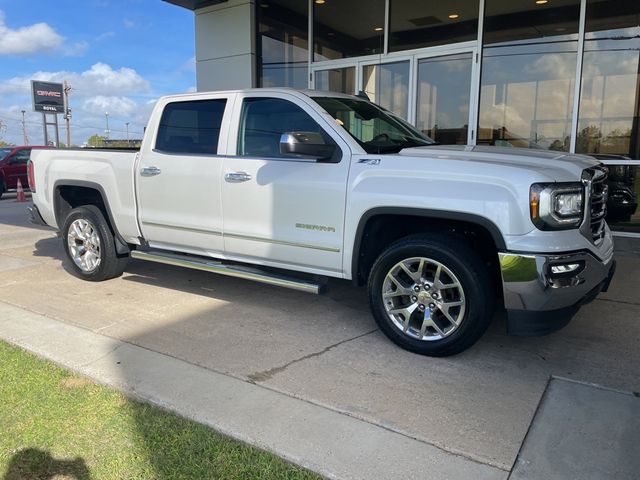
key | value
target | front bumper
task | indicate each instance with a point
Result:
(540, 300)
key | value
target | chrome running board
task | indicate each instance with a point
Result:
(238, 271)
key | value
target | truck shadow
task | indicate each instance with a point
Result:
(51, 248)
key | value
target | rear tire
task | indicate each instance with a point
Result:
(431, 294)
(90, 245)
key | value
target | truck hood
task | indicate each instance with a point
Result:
(558, 166)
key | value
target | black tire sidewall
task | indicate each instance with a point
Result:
(107, 246)
(469, 270)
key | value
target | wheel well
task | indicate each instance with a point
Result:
(68, 197)
(380, 231)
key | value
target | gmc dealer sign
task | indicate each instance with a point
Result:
(47, 97)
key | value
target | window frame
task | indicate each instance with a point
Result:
(222, 135)
(304, 103)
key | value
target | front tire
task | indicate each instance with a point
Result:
(431, 294)
(90, 245)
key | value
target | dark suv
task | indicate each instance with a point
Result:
(13, 166)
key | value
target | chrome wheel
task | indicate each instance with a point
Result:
(84, 245)
(423, 298)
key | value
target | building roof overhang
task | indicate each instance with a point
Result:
(194, 4)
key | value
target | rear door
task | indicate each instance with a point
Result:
(178, 177)
(16, 168)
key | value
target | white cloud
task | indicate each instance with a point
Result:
(32, 39)
(104, 36)
(98, 105)
(122, 92)
(77, 49)
(128, 23)
(100, 79)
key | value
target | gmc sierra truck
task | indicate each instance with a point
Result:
(290, 187)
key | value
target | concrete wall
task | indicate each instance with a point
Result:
(225, 46)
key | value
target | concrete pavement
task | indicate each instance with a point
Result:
(326, 350)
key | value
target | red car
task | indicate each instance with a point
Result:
(13, 166)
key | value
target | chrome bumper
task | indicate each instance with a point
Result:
(540, 299)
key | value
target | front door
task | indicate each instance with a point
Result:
(178, 178)
(282, 210)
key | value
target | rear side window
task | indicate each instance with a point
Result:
(191, 127)
(21, 157)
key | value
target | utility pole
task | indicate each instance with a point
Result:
(67, 111)
(25, 139)
(106, 132)
(127, 125)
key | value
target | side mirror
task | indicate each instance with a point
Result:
(306, 144)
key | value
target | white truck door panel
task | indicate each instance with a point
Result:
(178, 180)
(276, 207)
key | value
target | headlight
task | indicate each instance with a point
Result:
(556, 206)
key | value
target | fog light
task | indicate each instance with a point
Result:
(564, 268)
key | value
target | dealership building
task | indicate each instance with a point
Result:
(561, 75)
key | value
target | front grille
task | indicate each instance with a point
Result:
(598, 203)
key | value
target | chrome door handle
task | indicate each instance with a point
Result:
(237, 177)
(150, 171)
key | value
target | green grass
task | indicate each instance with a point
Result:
(55, 423)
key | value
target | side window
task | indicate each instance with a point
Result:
(191, 127)
(263, 122)
(21, 157)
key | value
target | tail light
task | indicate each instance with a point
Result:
(31, 176)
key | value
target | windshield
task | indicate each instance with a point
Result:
(375, 129)
(4, 152)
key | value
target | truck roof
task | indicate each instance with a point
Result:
(266, 90)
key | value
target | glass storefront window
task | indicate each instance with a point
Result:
(610, 91)
(431, 22)
(528, 74)
(444, 84)
(341, 80)
(344, 29)
(282, 43)
(388, 85)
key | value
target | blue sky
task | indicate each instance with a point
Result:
(119, 56)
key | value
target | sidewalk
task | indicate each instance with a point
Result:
(330, 443)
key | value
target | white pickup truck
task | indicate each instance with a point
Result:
(290, 187)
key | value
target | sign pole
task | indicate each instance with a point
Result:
(55, 122)
(44, 129)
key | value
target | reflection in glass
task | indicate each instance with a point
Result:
(528, 74)
(624, 192)
(282, 44)
(518, 20)
(347, 29)
(388, 86)
(444, 84)
(431, 22)
(342, 80)
(610, 90)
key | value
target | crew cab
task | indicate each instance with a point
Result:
(13, 167)
(290, 187)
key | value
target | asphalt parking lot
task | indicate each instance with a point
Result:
(326, 349)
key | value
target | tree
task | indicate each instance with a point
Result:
(96, 141)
